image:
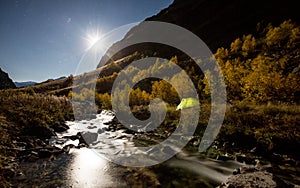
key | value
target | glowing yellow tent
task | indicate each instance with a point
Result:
(187, 103)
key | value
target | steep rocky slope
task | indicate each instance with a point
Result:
(216, 22)
(5, 81)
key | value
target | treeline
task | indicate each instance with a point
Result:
(265, 67)
(259, 68)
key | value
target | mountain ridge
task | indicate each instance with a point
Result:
(216, 22)
(24, 84)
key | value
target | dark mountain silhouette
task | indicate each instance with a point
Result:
(5, 81)
(216, 22)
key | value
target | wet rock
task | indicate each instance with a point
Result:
(110, 128)
(254, 176)
(246, 158)
(73, 137)
(251, 179)
(43, 153)
(60, 142)
(225, 157)
(8, 171)
(67, 148)
(31, 158)
(246, 169)
(19, 173)
(120, 127)
(81, 145)
(88, 137)
(132, 129)
(107, 123)
(60, 127)
(101, 130)
(29, 145)
(49, 151)
(21, 144)
(39, 142)
(121, 137)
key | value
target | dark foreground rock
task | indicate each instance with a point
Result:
(254, 176)
(38, 152)
(252, 179)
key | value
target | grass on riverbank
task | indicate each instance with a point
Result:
(269, 128)
(262, 129)
(23, 115)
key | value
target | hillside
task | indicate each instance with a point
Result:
(5, 81)
(216, 22)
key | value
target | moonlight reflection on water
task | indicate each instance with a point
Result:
(89, 170)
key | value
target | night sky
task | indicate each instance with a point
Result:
(46, 39)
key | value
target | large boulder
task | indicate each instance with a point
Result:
(88, 137)
(253, 176)
(252, 179)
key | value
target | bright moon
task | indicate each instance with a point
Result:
(92, 38)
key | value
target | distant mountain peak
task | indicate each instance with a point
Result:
(25, 84)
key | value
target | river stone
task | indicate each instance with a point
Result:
(31, 158)
(260, 179)
(43, 153)
(91, 127)
(100, 130)
(88, 137)
(67, 148)
(60, 127)
(132, 129)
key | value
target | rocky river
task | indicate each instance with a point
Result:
(88, 147)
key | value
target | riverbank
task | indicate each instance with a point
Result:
(256, 135)
(251, 134)
(27, 122)
(86, 168)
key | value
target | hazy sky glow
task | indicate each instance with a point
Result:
(43, 39)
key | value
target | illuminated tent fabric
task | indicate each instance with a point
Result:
(187, 103)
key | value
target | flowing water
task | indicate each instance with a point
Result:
(86, 168)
